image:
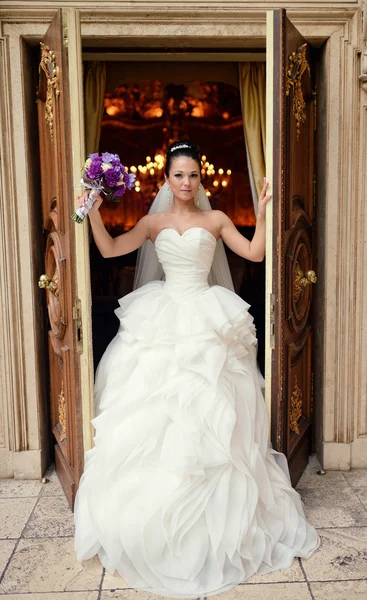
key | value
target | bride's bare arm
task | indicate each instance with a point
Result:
(254, 250)
(122, 244)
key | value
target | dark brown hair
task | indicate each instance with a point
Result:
(182, 149)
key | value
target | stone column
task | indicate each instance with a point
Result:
(20, 382)
(345, 277)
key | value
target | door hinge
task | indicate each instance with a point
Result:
(77, 316)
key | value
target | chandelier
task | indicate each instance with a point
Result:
(150, 177)
(174, 109)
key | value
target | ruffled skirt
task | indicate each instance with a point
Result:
(182, 494)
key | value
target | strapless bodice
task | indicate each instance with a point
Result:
(186, 258)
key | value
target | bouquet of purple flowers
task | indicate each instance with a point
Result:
(103, 173)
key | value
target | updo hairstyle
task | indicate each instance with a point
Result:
(177, 149)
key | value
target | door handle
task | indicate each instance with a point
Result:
(49, 284)
(302, 280)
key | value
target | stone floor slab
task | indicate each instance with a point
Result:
(49, 565)
(266, 591)
(128, 594)
(53, 486)
(113, 582)
(341, 556)
(19, 488)
(14, 513)
(340, 590)
(326, 508)
(52, 517)
(53, 596)
(362, 495)
(43, 565)
(311, 480)
(356, 477)
(6, 548)
(294, 573)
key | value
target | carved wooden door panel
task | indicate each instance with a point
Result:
(293, 277)
(59, 275)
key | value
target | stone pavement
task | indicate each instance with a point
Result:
(37, 560)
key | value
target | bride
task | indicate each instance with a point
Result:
(182, 493)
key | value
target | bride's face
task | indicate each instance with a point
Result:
(184, 178)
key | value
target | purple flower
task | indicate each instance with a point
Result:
(108, 157)
(116, 180)
(120, 190)
(112, 176)
(131, 178)
(95, 168)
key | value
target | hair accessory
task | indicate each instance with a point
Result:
(179, 147)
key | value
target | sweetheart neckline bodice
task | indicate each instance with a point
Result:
(181, 235)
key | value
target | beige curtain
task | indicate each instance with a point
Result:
(252, 87)
(94, 91)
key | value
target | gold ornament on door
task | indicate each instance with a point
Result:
(297, 65)
(50, 284)
(51, 71)
(295, 412)
(62, 413)
(302, 280)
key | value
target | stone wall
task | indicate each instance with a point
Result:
(341, 380)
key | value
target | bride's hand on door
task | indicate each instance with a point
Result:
(264, 198)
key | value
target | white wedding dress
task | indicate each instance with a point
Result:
(181, 493)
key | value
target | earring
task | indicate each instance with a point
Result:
(197, 199)
(170, 195)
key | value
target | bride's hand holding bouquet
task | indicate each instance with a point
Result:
(102, 174)
(94, 210)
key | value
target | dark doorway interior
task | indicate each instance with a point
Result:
(144, 111)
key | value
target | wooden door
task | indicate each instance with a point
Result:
(58, 280)
(291, 277)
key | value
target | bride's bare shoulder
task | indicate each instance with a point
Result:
(219, 217)
(156, 220)
(153, 223)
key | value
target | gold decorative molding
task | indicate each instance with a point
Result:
(295, 411)
(301, 281)
(297, 65)
(62, 413)
(51, 70)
